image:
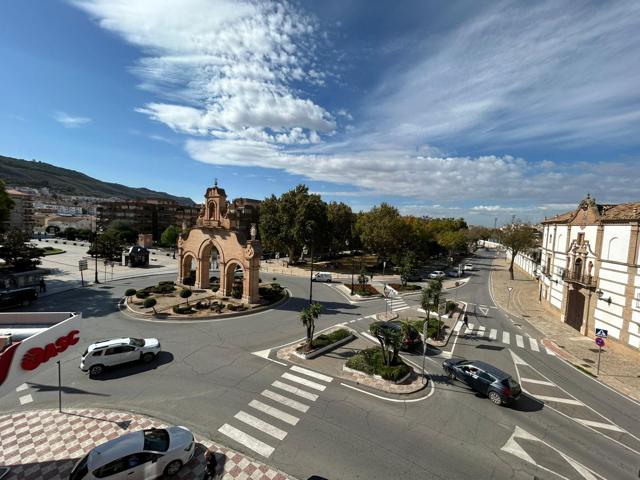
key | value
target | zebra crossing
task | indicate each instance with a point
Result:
(520, 341)
(397, 304)
(269, 416)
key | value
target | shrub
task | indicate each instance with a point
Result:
(370, 361)
(164, 287)
(185, 293)
(327, 339)
(130, 292)
(142, 294)
(182, 309)
(149, 303)
(451, 306)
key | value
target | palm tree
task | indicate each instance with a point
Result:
(389, 339)
(308, 317)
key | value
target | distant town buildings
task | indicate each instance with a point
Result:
(589, 269)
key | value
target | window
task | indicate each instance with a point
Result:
(487, 377)
(81, 470)
(638, 300)
(136, 342)
(112, 468)
(156, 439)
(119, 349)
(580, 238)
(97, 353)
(112, 351)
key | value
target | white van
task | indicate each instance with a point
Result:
(322, 277)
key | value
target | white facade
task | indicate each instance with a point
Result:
(590, 269)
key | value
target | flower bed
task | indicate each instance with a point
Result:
(406, 288)
(363, 290)
(324, 342)
(370, 361)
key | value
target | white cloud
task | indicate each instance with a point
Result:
(70, 121)
(553, 73)
(226, 67)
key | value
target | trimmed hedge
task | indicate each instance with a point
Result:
(327, 339)
(141, 294)
(406, 288)
(370, 361)
(149, 302)
(182, 309)
(130, 292)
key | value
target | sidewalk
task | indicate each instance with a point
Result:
(619, 365)
(45, 444)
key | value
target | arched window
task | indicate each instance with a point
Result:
(213, 211)
(577, 267)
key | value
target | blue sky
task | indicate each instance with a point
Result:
(473, 109)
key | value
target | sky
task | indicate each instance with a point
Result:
(474, 109)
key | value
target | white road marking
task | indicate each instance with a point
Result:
(246, 440)
(506, 338)
(533, 344)
(22, 387)
(539, 382)
(311, 373)
(274, 412)
(26, 399)
(606, 426)
(519, 341)
(261, 425)
(470, 327)
(304, 381)
(569, 401)
(401, 308)
(549, 351)
(481, 331)
(493, 334)
(457, 327)
(301, 407)
(512, 447)
(295, 390)
(516, 359)
(484, 310)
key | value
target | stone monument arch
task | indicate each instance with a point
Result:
(216, 237)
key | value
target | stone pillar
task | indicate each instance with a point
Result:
(222, 273)
(251, 284)
(202, 273)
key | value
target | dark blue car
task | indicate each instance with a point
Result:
(486, 379)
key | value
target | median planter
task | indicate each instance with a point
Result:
(325, 342)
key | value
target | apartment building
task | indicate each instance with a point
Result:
(21, 215)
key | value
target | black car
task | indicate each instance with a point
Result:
(499, 386)
(17, 297)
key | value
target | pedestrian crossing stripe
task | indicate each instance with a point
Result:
(481, 332)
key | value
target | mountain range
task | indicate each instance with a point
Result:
(36, 174)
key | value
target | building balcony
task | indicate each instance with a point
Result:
(579, 277)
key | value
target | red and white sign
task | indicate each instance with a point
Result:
(22, 360)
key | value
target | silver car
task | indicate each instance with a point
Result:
(140, 455)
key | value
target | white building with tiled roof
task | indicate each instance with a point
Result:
(590, 269)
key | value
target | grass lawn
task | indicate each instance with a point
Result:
(52, 251)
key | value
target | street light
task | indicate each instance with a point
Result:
(352, 266)
(306, 250)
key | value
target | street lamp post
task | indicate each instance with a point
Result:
(306, 250)
(352, 267)
(425, 331)
(95, 251)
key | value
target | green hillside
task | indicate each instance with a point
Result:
(69, 182)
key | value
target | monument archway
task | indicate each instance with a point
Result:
(216, 235)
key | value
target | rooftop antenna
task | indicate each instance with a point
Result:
(215, 182)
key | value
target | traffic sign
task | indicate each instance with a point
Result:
(600, 342)
(509, 288)
(601, 332)
(82, 265)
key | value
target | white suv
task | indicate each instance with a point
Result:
(108, 353)
(140, 455)
(437, 274)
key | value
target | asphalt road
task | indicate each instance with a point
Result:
(208, 374)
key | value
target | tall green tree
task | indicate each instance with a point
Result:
(6, 204)
(453, 241)
(431, 296)
(124, 230)
(518, 239)
(294, 220)
(407, 264)
(341, 220)
(18, 252)
(382, 230)
(308, 317)
(169, 237)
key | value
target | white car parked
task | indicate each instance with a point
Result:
(140, 455)
(468, 266)
(437, 274)
(108, 353)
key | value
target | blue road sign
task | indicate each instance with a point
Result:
(600, 341)
(601, 332)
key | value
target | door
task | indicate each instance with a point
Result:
(575, 309)
(483, 381)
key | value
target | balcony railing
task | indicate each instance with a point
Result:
(579, 277)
